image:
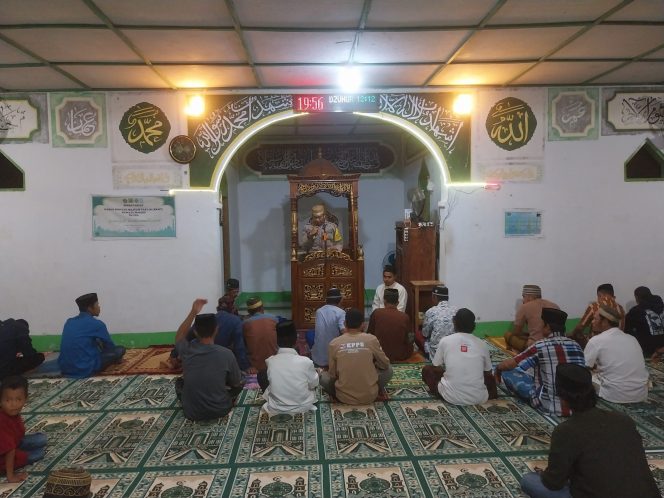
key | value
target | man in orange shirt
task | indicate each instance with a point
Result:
(606, 297)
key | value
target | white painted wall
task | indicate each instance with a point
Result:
(597, 229)
(49, 257)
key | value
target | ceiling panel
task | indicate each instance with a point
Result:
(614, 42)
(636, 73)
(298, 76)
(659, 54)
(192, 76)
(414, 13)
(641, 10)
(299, 47)
(188, 45)
(564, 73)
(116, 76)
(478, 74)
(496, 44)
(167, 12)
(275, 130)
(46, 11)
(385, 76)
(11, 55)
(73, 45)
(34, 78)
(529, 11)
(300, 13)
(412, 46)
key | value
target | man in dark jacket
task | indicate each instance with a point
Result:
(16, 352)
(595, 453)
(645, 321)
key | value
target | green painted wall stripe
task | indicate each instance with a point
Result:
(146, 339)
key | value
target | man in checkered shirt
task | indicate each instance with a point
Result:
(543, 357)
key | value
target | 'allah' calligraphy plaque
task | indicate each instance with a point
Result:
(145, 127)
(511, 123)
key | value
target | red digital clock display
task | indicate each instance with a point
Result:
(357, 102)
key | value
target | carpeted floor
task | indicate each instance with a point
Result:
(128, 431)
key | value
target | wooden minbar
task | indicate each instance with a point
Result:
(314, 272)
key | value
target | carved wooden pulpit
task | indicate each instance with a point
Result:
(314, 272)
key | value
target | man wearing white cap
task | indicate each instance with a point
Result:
(320, 233)
(621, 371)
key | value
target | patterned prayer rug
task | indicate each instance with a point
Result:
(151, 360)
(129, 432)
(499, 342)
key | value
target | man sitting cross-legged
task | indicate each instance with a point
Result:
(528, 315)
(392, 328)
(260, 333)
(290, 381)
(358, 367)
(593, 454)
(605, 295)
(437, 321)
(543, 357)
(461, 371)
(621, 371)
(211, 377)
(329, 325)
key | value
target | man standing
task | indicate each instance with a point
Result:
(329, 325)
(260, 334)
(290, 382)
(211, 377)
(594, 453)
(543, 357)
(645, 321)
(86, 346)
(389, 282)
(227, 301)
(392, 328)
(621, 371)
(528, 315)
(438, 320)
(358, 366)
(320, 233)
(461, 371)
(605, 296)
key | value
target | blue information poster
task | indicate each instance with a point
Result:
(523, 223)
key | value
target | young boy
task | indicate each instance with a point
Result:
(16, 448)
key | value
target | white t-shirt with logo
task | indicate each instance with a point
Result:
(465, 358)
(621, 370)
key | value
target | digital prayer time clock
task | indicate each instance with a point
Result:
(356, 102)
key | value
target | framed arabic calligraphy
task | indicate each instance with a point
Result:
(23, 118)
(632, 110)
(78, 120)
(573, 114)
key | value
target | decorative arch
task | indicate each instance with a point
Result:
(235, 119)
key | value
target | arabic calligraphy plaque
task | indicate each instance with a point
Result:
(78, 120)
(511, 123)
(634, 111)
(23, 118)
(573, 114)
(145, 127)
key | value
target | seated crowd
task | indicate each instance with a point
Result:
(351, 358)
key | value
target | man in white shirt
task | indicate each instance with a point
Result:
(461, 371)
(618, 359)
(289, 384)
(389, 282)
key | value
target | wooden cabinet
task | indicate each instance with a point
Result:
(416, 265)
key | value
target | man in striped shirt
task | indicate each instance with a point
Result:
(543, 357)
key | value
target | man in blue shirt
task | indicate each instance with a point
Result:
(330, 320)
(86, 346)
